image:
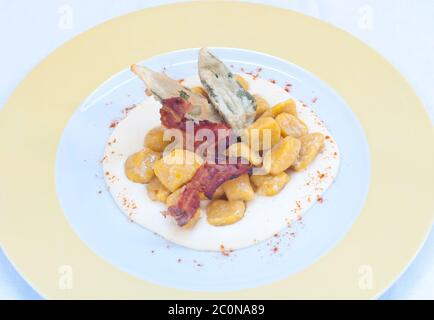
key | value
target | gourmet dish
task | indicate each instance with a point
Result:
(199, 161)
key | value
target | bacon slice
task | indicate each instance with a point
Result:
(207, 179)
(221, 139)
(172, 113)
(172, 116)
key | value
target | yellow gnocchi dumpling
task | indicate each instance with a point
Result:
(243, 82)
(218, 193)
(177, 168)
(239, 189)
(190, 224)
(263, 133)
(223, 212)
(261, 105)
(241, 149)
(156, 190)
(269, 185)
(311, 145)
(282, 155)
(139, 166)
(173, 197)
(291, 126)
(154, 139)
(287, 106)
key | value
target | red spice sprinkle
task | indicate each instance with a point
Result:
(128, 109)
(314, 100)
(273, 81)
(224, 252)
(319, 199)
(253, 75)
(320, 174)
(275, 249)
(298, 204)
(114, 123)
(287, 87)
(327, 137)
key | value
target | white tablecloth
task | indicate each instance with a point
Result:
(401, 30)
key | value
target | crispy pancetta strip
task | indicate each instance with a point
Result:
(172, 116)
(172, 113)
(207, 179)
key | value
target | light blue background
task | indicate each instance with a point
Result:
(400, 30)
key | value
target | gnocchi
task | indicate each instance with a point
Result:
(239, 189)
(242, 150)
(173, 197)
(270, 185)
(139, 166)
(154, 139)
(219, 193)
(156, 190)
(263, 133)
(261, 105)
(223, 212)
(176, 168)
(287, 106)
(291, 126)
(282, 155)
(311, 145)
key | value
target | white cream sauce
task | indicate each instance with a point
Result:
(264, 217)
